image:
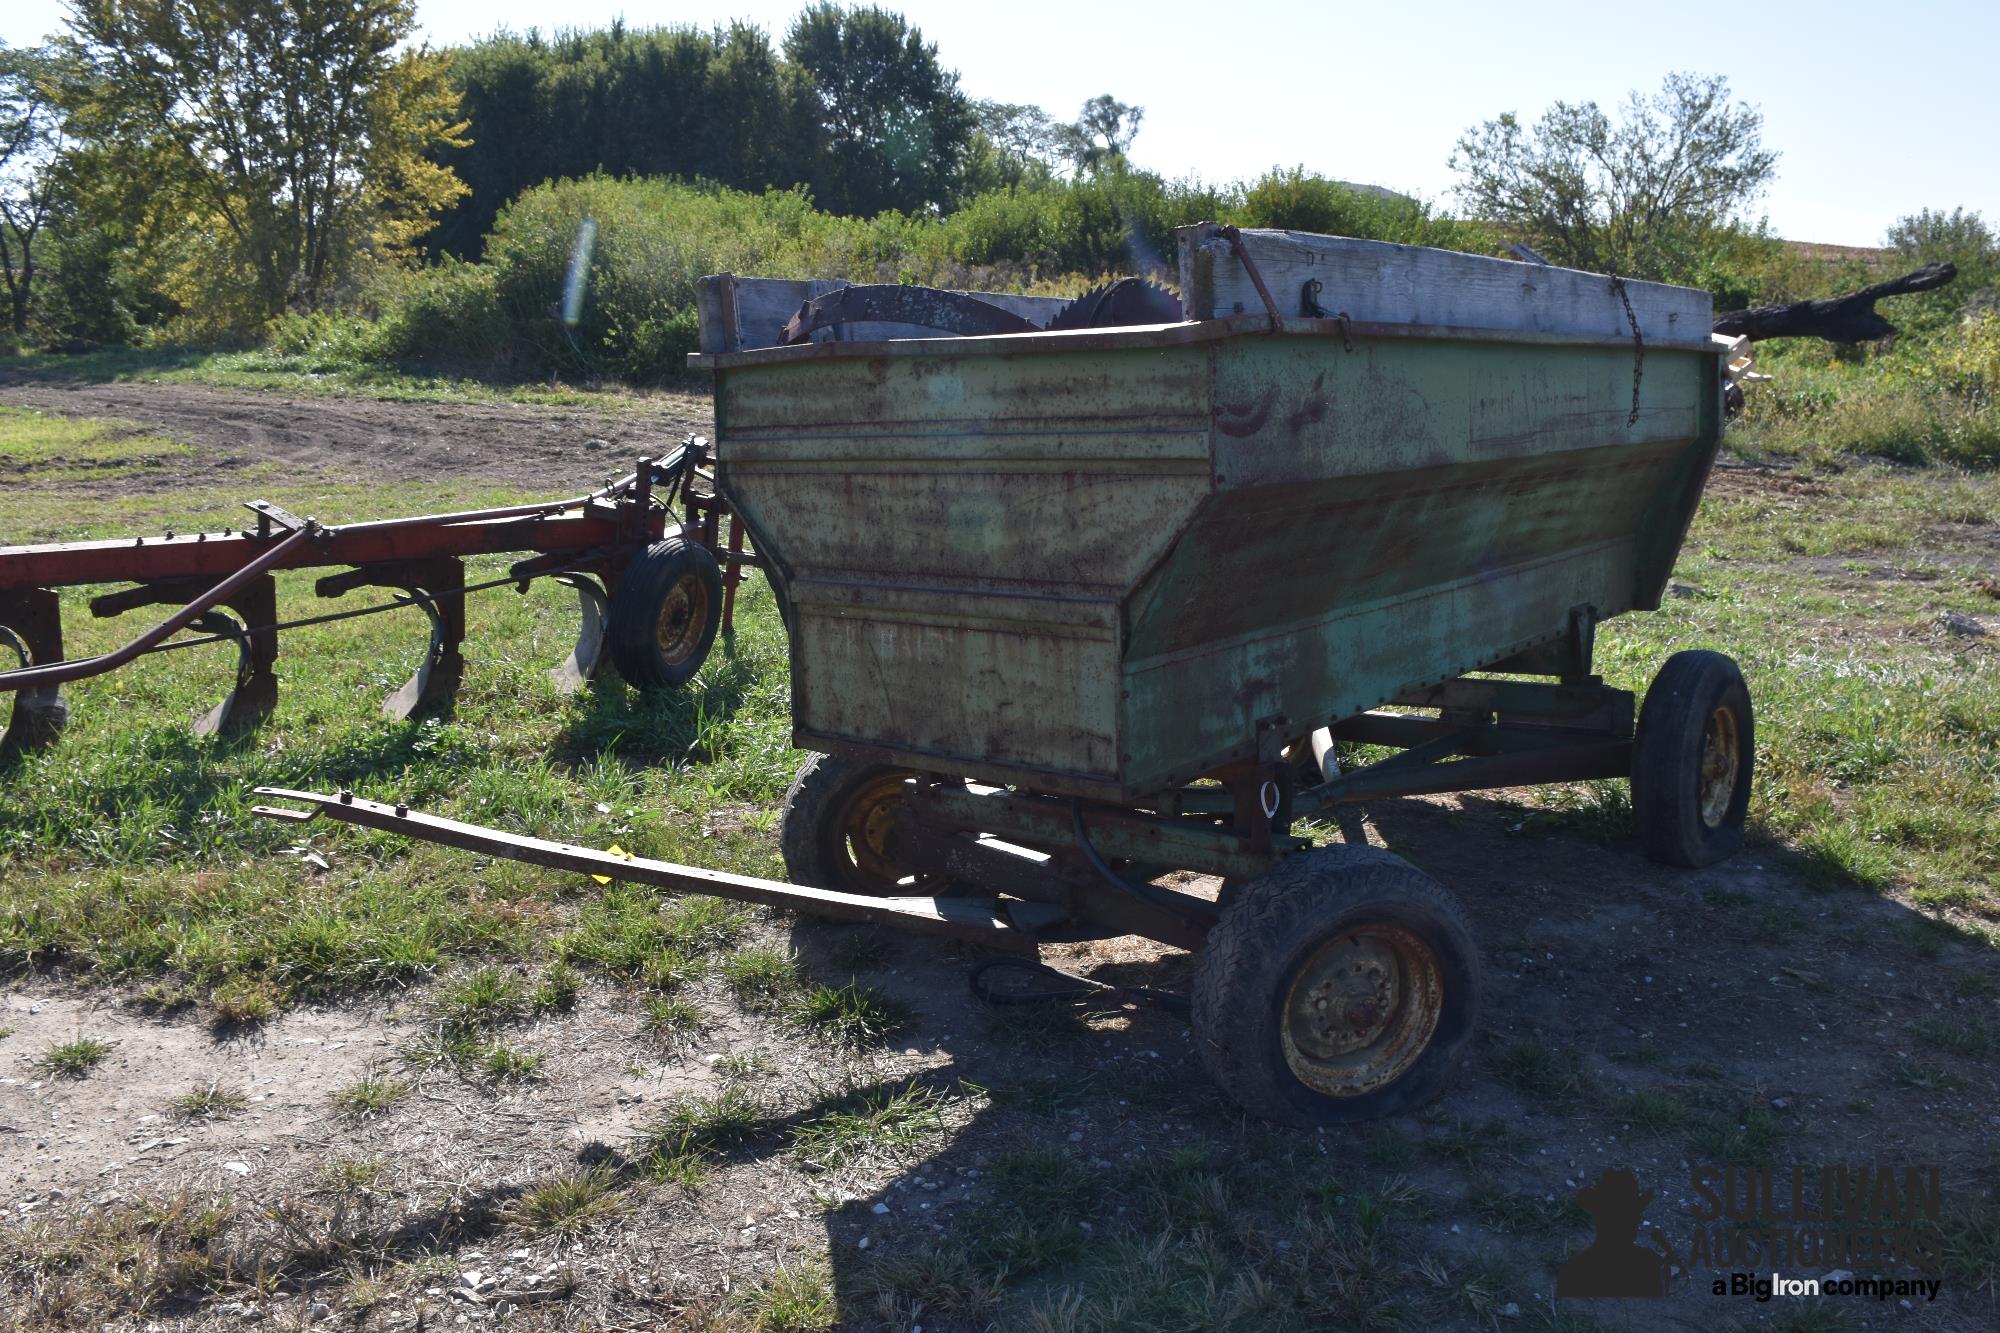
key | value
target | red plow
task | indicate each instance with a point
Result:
(654, 558)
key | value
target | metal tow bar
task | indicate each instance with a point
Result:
(952, 918)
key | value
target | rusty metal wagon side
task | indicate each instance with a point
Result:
(1071, 610)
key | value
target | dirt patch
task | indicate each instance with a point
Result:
(349, 439)
(1761, 481)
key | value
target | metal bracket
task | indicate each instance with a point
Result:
(255, 694)
(1234, 236)
(31, 625)
(581, 666)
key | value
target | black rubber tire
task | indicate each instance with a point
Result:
(812, 832)
(1272, 926)
(640, 605)
(1667, 754)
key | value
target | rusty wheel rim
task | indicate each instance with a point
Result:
(1361, 1010)
(863, 826)
(1719, 759)
(683, 615)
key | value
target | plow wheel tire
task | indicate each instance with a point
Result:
(664, 614)
(835, 827)
(1339, 985)
(1691, 760)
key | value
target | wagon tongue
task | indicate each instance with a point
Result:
(952, 918)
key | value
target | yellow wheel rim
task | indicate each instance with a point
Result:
(864, 825)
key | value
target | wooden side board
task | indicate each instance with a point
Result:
(738, 312)
(1376, 281)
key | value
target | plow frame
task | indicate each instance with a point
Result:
(223, 587)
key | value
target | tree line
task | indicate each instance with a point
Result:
(209, 166)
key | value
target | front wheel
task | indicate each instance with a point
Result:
(1691, 760)
(1340, 985)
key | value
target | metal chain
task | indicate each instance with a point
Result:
(1638, 347)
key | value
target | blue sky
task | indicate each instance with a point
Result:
(1380, 92)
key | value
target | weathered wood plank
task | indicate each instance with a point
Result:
(736, 313)
(1377, 281)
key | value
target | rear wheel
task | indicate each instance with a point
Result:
(1692, 760)
(664, 614)
(835, 829)
(1340, 985)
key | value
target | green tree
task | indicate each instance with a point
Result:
(1641, 196)
(1101, 136)
(893, 125)
(285, 140)
(31, 148)
(1013, 144)
(715, 104)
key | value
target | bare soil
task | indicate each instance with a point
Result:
(346, 438)
(1740, 993)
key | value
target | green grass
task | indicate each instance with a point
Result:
(876, 1123)
(1650, 1113)
(370, 1095)
(54, 449)
(850, 1015)
(761, 976)
(1554, 1077)
(242, 1001)
(557, 990)
(213, 1102)
(696, 1130)
(1929, 400)
(794, 1299)
(568, 1206)
(509, 1064)
(73, 1059)
(1971, 1037)
(672, 1023)
(479, 999)
(1737, 1134)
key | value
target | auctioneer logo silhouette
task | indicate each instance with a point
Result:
(1614, 1263)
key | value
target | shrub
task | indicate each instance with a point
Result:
(1926, 400)
(446, 317)
(650, 240)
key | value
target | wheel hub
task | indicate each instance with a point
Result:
(1719, 758)
(864, 830)
(1361, 1009)
(683, 613)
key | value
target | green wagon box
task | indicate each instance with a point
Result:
(1126, 577)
